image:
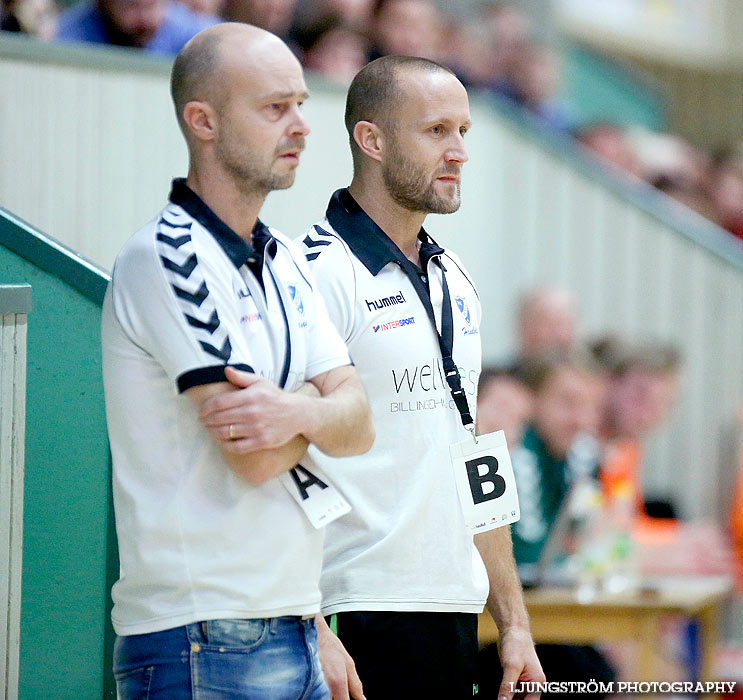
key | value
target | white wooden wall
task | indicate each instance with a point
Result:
(88, 146)
(83, 148)
(12, 422)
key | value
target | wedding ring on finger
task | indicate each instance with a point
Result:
(231, 432)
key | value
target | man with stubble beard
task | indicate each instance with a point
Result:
(220, 366)
(402, 574)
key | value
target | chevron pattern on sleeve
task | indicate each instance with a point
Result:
(313, 241)
(181, 267)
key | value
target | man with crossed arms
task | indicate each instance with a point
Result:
(220, 367)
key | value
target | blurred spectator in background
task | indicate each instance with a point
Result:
(471, 54)
(569, 389)
(487, 48)
(337, 51)
(206, 7)
(727, 191)
(504, 402)
(735, 501)
(713, 187)
(608, 142)
(536, 86)
(643, 383)
(159, 26)
(406, 28)
(355, 13)
(673, 166)
(546, 321)
(34, 17)
(509, 63)
(511, 32)
(350, 13)
(557, 450)
(275, 16)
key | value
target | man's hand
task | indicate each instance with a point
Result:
(331, 411)
(338, 667)
(263, 431)
(520, 663)
(506, 604)
(258, 416)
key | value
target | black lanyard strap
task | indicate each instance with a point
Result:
(446, 342)
(445, 338)
(287, 337)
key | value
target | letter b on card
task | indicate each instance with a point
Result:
(485, 482)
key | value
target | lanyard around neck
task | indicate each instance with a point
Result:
(445, 338)
(287, 332)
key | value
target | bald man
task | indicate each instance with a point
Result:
(220, 367)
(546, 322)
(403, 574)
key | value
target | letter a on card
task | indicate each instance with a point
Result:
(315, 495)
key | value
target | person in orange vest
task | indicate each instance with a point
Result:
(643, 383)
(735, 523)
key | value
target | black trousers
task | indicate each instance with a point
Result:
(407, 655)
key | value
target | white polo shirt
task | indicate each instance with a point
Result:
(196, 542)
(404, 546)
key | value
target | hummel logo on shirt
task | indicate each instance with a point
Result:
(385, 301)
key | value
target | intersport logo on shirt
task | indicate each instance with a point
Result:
(391, 325)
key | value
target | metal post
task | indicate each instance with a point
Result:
(15, 304)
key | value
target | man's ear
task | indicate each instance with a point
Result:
(201, 120)
(369, 139)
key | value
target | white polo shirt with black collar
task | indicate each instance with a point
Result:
(404, 546)
(188, 297)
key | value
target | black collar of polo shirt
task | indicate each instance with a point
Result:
(375, 249)
(237, 249)
(367, 240)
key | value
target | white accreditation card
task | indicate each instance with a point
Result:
(485, 482)
(316, 496)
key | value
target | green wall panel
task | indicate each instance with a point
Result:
(67, 555)
(601, 89)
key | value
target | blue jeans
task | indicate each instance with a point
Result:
(271, 659)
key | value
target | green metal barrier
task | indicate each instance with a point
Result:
(69, 556)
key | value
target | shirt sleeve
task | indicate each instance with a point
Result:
(326, 349)
(175, 305)
(334, 275)
(332, 351)
(454, 259)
